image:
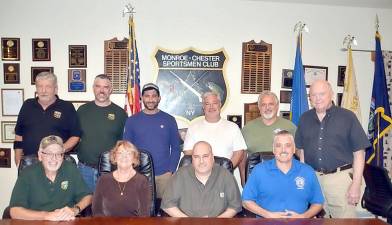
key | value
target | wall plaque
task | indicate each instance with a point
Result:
(36, 70)
(256, 67)
(76, 80)
(251, 111)
(11, 73)
(77, 56)
(10, 49)
(41, 49)
(5, 157)
(116, 63)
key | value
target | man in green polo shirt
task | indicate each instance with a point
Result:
(52, 189)
(203, 189)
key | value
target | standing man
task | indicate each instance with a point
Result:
(203, 189)
(102, 123)
(224, 136)
(155, 131)
(292, 189)
(45, 115)
(259, 132)
(332, 141)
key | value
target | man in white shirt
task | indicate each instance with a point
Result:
(224, 136)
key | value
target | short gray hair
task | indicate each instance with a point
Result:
(50, 140)
(279, 133)
(267, 93)
(46, 76)
(211, 93)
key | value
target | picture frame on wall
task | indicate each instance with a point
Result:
(77, 56)
(36, 70)
(41, 49)
(8, 131)
(313, 73)
(341, 75)
(76, 80)
(5, 157)
(287, 78)
(10, 49)
(285, 114)
(11, 73)
(285, 96)
(11, 101)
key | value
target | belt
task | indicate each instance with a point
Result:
(89, 164)
(340, 168)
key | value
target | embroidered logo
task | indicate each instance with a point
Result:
(300, 182)
(162, 126)
(222, 194)
(111, 116)
(64, 185)
(57, 114)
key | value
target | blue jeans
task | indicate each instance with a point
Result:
(89, 174)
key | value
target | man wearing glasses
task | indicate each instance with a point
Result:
(52, 189)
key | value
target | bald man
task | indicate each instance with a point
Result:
(332, 141)
(203, 189)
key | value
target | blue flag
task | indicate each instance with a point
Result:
(299, 98)
(380, 114)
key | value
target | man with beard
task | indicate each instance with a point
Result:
(283, 187)
(259, 133)
(155, 131)
(102, 123)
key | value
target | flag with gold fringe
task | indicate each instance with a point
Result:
(380, 121)
(350, 98)
(132, 96)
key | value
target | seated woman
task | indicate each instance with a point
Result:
(124, 192)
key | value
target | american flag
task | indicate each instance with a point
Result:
(132, 96)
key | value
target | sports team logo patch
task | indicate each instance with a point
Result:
(64, 185)
(57, 114)
(300, 182)
(184, 76)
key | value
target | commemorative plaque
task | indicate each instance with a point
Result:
(77, 80)
(116, 63)
(11, 73)
(10, 49)
(5, 157)
(41, 49)
(77, 56)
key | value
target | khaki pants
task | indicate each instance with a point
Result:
(334, 187)
(161, 182)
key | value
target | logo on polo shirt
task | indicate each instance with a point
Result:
(222, 194)
(162, 126)
(111, 116)
(64, 185)
(57, 114)
(300, 182)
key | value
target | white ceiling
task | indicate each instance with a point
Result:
(383, 4)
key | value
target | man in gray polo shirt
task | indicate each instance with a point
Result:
(203, 189)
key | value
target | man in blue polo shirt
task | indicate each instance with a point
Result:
(283, 187)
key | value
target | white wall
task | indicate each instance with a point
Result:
(179, 24)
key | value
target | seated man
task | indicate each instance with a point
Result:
(50, 190)
(203, 189)
(283, 187)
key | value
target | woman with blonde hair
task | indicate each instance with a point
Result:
(124, 192)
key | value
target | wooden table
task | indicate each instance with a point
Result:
(197, 221)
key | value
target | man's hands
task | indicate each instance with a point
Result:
(63, 214)
(353, 194)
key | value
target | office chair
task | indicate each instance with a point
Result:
(254, 159)
(146, 168)
(378, 192)
(222, 161)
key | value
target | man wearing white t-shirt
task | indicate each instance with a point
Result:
(224, 136)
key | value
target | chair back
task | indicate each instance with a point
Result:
(255, 159)
(222, 161)
(28, 160)
(146, 167)
(378, 193)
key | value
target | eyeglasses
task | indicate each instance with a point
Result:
(53, 155)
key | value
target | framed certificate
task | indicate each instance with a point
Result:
(8, 131)
(41, 49)
(77, 56)
(11, 73)
(36, 70)
(11, 101)
(10, 49)
(313, 73)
